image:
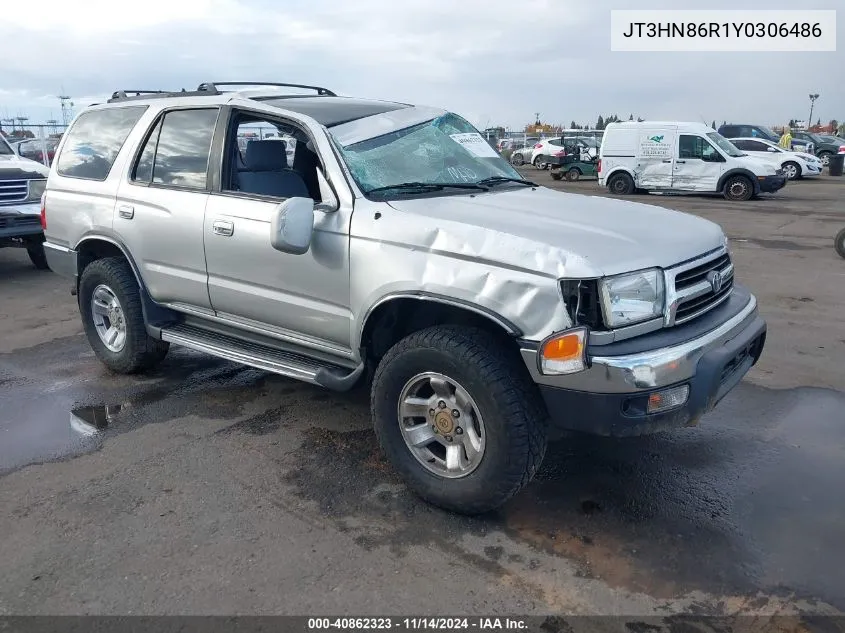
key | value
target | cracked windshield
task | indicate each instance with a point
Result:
(445, 150)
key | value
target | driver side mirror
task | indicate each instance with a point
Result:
(292, 226)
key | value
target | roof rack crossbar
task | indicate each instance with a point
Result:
(123, 95)
(214, 86)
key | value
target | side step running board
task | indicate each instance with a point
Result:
(263, 357)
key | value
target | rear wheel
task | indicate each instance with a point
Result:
(110, 306)
(459, 418)
(738, 188)
(839, 243)
(37, 256)
(573, 173)
(540, 162)
(621, 184)
(792, 170)
(517, 160)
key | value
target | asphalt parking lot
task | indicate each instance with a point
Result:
(218, 489)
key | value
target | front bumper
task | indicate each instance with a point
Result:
(770, 184)
(20, 220)
(611, 396)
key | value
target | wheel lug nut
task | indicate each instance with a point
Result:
(442, 404)
(431, 411)
(448, 438)
(459, 431)
(456, 413)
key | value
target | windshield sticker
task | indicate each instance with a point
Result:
(475, 144)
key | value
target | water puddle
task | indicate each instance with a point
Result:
(89, 421)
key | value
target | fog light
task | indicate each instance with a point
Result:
(668, 399)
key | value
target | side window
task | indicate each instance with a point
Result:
(690, 146)
(176, 151)
(745, 146)
(556, 141)
(94, 142)
(267, 157)
(756, 146)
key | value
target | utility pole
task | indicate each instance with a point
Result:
(67, 109)
(813, 98)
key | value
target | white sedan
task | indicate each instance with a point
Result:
(794, 164)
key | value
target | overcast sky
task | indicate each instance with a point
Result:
(493, 61)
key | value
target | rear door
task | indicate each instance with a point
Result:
(161, 207)
(656, 158)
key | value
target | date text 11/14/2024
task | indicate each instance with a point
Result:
(416, 624)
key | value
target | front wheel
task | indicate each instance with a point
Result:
(540, 162)
(573, 174)
(37, 256)
(459, 418)
(824, 157)
(110, 306)
(792, 170)
(738, 189)
(517, 160)
(839, 243)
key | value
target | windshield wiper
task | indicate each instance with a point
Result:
(428, 186)
(498, 180)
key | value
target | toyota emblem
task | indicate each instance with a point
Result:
(714, 277)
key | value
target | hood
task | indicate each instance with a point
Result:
(554, 233)
(14, 167)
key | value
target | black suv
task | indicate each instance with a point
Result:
(823, 149)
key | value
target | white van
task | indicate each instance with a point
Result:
(682, 157)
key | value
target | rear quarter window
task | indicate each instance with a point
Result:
(94, 141)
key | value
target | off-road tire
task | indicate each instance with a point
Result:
(738, 189)
(621, 184)
(515, 420)
(37, 256)
(839, 243)
(141, 351)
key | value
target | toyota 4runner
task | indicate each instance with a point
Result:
(397, 249)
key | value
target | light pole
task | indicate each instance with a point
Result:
(812, 103)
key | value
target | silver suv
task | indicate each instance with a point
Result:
(397, 249)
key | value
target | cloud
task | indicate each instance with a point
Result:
(494, 61)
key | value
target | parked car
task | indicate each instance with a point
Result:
(33, 149)
(400, 252)
(794, 164)
(682, 157)
(22, 182)
(744, 130)
(522, 152)
(822, 148)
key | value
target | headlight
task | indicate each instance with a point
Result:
(633, 297)
(36, 188)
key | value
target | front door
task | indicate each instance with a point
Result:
(300, 298)
(654, 168)
(698, 164)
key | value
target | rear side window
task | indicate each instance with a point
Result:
(94, 141)
(176, 152)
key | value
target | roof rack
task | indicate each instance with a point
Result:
(129, 95)
(212, 86)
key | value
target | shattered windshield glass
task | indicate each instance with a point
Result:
(445, 150)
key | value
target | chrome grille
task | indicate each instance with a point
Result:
(691, 287)
(12, 191)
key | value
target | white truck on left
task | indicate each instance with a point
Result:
(22, 183)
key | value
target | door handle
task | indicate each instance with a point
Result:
(681, 161)
(667, 160)
(226, 229)
(126, 211)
